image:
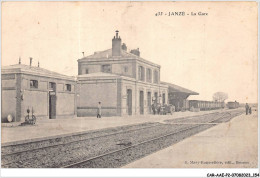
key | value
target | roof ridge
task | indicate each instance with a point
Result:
(35, 69)
(174, 85)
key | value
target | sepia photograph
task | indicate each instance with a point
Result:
(129, 85)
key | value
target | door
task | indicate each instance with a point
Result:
(141, 99)
(163, 98)
(129, 101)
(156, 97)
(52, 105)
(149, 102)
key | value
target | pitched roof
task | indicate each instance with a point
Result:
(175, 88)
(21, 68)
(107, 54)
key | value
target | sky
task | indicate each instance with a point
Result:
(206, 54)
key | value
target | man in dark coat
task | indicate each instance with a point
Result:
(247, 108)
(99, 110)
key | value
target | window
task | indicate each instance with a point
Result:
(155, 76)
(148, 75)
(86, 71)
(141, 73)
(68, 87)
(106, 68)
(125, 69)
(52, 85)
(33, 84)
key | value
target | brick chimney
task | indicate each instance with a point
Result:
(31, 61)
(124, 47)
(135, 52)
(116, 45)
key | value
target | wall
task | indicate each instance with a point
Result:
(65, 101)
(8, 104)
(120, 69)
(117, 67)
(92, 68)
(38, 98)
(8, 97)
(146, 66)
(65, 104)
(136, 87)
(128, 84)
(90, 92)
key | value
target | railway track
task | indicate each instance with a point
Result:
(123, 156)
(86, 149)
(28, 150)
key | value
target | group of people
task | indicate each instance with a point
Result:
(248, 109)
(156, 107)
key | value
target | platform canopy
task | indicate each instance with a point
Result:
(178, 89)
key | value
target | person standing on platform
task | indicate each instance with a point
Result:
(247, 108)
(250, 110)
(99, 110)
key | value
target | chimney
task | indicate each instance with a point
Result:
(116, 45)
(135, 52)
(20, 60)
(83, 54)
(31, 61)
(124, 47)
(38, 64)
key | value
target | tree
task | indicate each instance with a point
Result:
(220, 96)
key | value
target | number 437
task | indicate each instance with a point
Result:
(159, 14)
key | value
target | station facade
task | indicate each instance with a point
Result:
(48, 94)
(122, 81)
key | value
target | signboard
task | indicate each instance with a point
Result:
(52, 93)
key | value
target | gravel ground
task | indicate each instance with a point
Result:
(70, 138)
(81, 147)
(123, 157)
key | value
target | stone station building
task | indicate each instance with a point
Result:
(124, 83)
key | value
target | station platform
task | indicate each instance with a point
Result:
(46, 128)
(232, 144)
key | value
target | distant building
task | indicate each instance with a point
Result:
(51, 95)
(122, 81)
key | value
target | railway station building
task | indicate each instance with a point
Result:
(51, 95)
(124, 82)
